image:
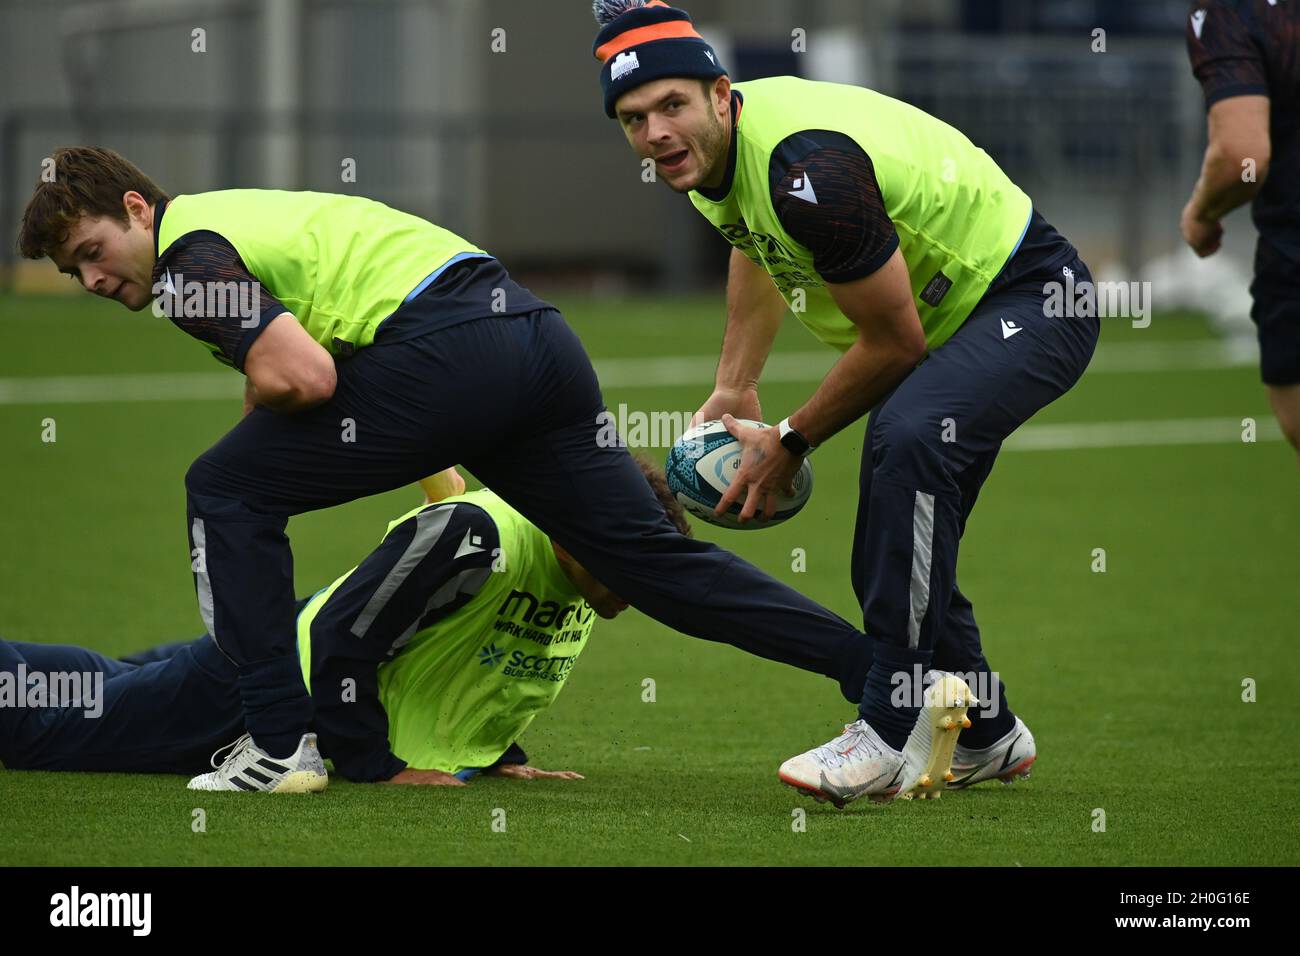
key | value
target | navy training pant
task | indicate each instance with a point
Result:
(167, 715)
(515, 400)
(929, 446)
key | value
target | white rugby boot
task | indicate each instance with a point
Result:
(854, 764)
(859, 763)
(1008, 760)
(249, 768)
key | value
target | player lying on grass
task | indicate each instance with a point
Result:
(431, 656)
(379, 348)
(902, 245)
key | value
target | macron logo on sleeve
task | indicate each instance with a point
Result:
(803, 189)
(1198, 21)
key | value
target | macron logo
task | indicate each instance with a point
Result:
(803, 190)
(709, 54)
(1198, 21)
(1010, 328)
(469, 545)
(623, 64)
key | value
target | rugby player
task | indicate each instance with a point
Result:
(424, 668)
(902, 245)
(379, 348)
(1246, 54)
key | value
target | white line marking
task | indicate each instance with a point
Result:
(665, 371)
(1172, 431)
(103, 389)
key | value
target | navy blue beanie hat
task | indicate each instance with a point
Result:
(644, 40)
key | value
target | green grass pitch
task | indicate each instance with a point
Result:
(1131, 679)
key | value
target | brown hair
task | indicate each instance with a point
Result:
(88, 180)
(659, 484)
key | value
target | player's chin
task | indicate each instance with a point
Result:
(683, 183)
(134, 301)
(684, 180)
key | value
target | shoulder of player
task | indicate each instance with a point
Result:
(194, 254)
(813, 150)
(460, 530)
(1241, 8)
(1211, 22)
(818, 179)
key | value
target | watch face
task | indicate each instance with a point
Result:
(795, 443)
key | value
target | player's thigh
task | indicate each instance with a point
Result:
(163, 717)
(400, 412)
(1276, 313)
(592, 497)
(578, 488)
(1008, 360)
(67, 659)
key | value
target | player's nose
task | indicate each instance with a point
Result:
(656, 130)
(94, 280)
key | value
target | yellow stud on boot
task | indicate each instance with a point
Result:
(931, 743)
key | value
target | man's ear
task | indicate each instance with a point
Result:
(722, 93)
(131, 199)
(137, 208)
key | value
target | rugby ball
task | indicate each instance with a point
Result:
(701, 465)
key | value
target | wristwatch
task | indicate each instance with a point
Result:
(794, 443)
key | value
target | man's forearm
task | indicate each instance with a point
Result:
(852, 387)
(754, 312)
(1222, 186)
(285, 402)
(289, 400)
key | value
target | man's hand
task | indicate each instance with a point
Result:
(1204, 237)
(428, 778)
(518, 771)
(766, 469)
(445, 484)
(741, 402)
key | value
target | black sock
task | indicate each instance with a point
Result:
(891, 699)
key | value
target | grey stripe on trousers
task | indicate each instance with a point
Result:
(203, 583)
(922, 552)
(429, 525)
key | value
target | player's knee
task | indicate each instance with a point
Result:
(902, 440)
(202, 478)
